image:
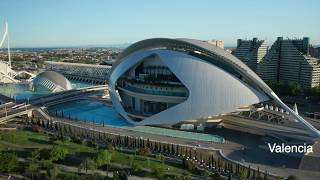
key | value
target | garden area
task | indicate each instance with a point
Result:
(39, 155)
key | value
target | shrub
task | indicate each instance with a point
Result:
(9, 161)
(188, 164)
(116, 175)
(144, 151)
(103, 157)
(77, 140)
(58, 153)
(123, 175)
(36, 128)
(66, 139)
(136, 169)
(92, 144)
(291, 177)
(110, 147)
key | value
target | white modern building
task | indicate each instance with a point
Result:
(167, 81)
(80, 72)
(50, 81)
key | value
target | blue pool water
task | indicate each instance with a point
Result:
(23, 92)
(19, 91)
(97, 112)
(87, 110)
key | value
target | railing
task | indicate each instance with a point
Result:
(154, 92)
(73, 92)
(11, 112)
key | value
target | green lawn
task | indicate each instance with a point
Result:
(29, 139)
(24, 141)
(25, 138)
(145, 162)
(2, 147)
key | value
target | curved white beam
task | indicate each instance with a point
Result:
(182, 69)
(4, 35)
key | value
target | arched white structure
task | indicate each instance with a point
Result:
(50, 81)
(7, 75)
(78, 71)
(217, 82)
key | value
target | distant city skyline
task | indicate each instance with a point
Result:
(53, 23)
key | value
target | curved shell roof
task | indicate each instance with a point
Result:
(55, 81)
(202, 47)
(211, 54)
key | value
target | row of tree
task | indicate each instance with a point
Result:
(192, 159)
(295, 89)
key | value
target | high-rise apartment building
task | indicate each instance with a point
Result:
(315, 52)
(288, 61)
(251, 52)
(218, 43)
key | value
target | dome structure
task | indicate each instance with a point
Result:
(165, 81)
(50, 81)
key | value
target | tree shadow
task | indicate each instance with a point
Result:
(19, 153)
(41, 141)
(77, 158)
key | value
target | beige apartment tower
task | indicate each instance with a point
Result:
(218, 43)
(251, 52)
(288, 61)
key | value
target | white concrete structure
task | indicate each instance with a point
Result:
(216, 83)
(78, 71)
(50, 81)
(7, 75)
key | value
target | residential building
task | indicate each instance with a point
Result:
(251, 52)
(315, 52)
(288, 61)
(218, 43)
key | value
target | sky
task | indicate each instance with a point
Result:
(50, 23)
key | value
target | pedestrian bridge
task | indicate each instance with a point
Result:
(10, 110)
(81, 72)
(70, 95)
